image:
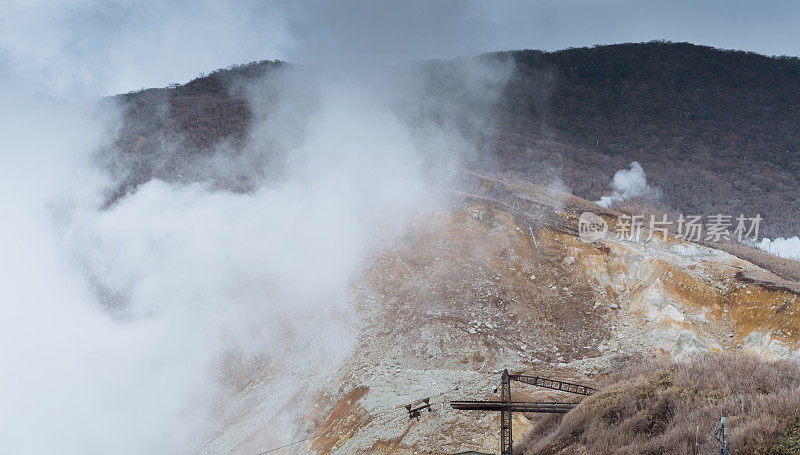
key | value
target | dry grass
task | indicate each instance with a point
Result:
(653, 408)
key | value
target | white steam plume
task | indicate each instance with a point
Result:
(118, 326)
(785, 248)
(627, 184)
(123, 330)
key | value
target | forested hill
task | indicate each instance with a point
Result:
(716, 131)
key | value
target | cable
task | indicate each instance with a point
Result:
(295, 442)
(394, 411)
(378, 415)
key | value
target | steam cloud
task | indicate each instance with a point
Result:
(127, 310)
(124, 329)
(786, 248)
(627, 184)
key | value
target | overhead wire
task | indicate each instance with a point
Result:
(379, 415)
(483, 376)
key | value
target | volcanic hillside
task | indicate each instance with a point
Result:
(503, 281)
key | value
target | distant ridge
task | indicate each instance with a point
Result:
(716, 130)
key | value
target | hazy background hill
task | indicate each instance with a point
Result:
(715, 130)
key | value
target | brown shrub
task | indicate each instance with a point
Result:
(672, 408)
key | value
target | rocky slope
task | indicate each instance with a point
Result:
(503, 281)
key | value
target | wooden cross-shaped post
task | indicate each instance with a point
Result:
(507, 407)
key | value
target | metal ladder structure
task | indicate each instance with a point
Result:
(507, 407)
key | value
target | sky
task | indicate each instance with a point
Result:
(77, 48)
